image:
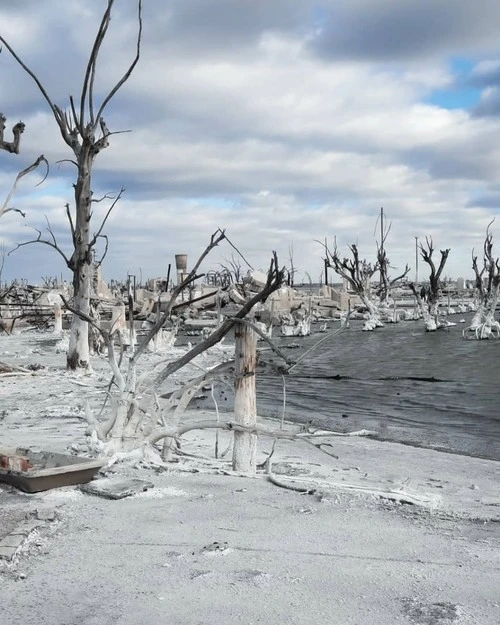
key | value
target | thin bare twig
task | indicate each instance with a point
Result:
(41, 159)
(275, 278)
(88, 82)
(239, 253)
(215, 239)
(129, 71)
(58, 115)
(39, 239)
(103, 223)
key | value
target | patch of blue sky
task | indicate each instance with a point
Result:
(454, 98)
(319, 16)
(211, 202)
(460, 94)
(49, 187)
(484, 198)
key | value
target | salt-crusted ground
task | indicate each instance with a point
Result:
(206, 547)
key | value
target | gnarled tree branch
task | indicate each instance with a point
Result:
(53, 244)
(17, 131)
(5, 208)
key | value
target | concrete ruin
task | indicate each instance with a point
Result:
(201, 307)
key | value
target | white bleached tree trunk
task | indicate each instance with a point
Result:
(245, 408)
(373, 320)
(83, 129)
(78, 356)
(428, 299)
(57, 319)
(358, 274)
(489, 327)
(483, 324)
(477, 318)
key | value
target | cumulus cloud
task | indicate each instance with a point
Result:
(282, 122)
(398, 32)
(485, 78)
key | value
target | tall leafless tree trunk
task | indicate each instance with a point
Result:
(84, 130)
(245, 409)
(293, 269)
(81, 265)
(483, 323)
(358, 273)
(383, 265)
(428, 296)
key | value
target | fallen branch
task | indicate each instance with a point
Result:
(17, 373)
(8, 368)
(254, 429)
(298, 489)
(399, 495)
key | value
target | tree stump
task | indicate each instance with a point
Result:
(118, 319)
(245, 408)
(57, 319)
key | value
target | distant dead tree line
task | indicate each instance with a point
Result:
(83, 128)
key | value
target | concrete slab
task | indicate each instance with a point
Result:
(46, 514)
(116, 487)
(26, 528)
(7, 553)
(13, 540)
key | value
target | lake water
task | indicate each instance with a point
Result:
(431, 389)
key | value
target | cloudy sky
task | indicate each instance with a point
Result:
(282, 121)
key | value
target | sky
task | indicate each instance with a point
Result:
(286, 123)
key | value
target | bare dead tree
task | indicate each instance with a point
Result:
(84, 130)
(292, 269)
(479, 274)
(135, 413)
(356, 271)
(487, 284)
(383, 265)
(428, 296)
(387, 283)
(358, 274)
(234, 268)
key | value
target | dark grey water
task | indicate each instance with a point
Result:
(385, 383)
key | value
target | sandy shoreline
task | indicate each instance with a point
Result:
(335, 556)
